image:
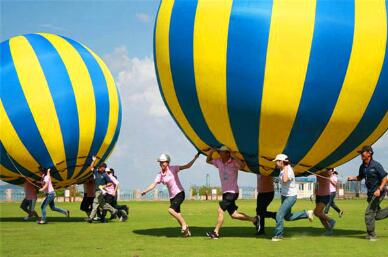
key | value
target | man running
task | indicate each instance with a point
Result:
(228, 166)
(375, 180)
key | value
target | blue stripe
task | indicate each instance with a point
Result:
(21, 117)
(18, 181)
(182, 67)
(330, 53)
(159, 84)
(63, 96)
(100, 93)
(246, 56)
(9, 163)
(375, 112)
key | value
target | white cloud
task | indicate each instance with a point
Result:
(143, 17)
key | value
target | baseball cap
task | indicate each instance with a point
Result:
(281, 157)
(366, 148)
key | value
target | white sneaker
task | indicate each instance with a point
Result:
(310, 215)
(26, 218)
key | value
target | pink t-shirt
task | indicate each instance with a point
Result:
(89, 188)
(171, 180)
(323, 186)
(264, 184)
(47, 180)
(228, 174)
(333, 179)
(30, 192)
(111, 189)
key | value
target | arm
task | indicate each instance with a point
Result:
(240, 163)
(384, 181)
(188, 165)
(149, 188)
(209, 157)
(354, 178)
(285, 177)
(93, 164)
(45, 186)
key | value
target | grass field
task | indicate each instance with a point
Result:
(150, 231)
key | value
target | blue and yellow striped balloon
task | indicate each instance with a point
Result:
(59, 106)
(306, 78)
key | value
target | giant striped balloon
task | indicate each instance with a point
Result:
(59, 106)
(305, 77)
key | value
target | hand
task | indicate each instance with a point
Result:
(350, 178)
(48, 170)
(40, 189)
(377, 193)
(143, 193)
(94, 158)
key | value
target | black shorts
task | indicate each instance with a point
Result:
(325, 199)
(175, 203)
(228, 202)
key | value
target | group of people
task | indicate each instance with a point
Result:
(100, 196)
(100, 193)
(228, 165)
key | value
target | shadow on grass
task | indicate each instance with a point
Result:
(249, 232)
(49, 219)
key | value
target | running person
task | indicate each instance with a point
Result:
(168, 176)
(228, 166)
(48, 189)
(265, 195)
(101, 181)
(29, 201)
(111, 196)
(375, 180)
(333, 191)
(87, 200)
(322, 200)
(288, 197)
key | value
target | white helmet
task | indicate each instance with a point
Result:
(164, 158)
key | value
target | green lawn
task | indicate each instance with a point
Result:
(150, 231)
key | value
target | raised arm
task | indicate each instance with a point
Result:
(240, 163)
(209, 157)
(188, 165)
(149, 188)
(285, 177)
(93, 164)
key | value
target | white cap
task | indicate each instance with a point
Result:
(224, 148)
(281, 157)
(164, 158)
(107, 170)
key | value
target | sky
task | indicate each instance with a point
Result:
(121, 32)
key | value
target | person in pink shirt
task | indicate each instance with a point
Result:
(333, 191)
(29, 201)
(228, 166)
(48, 189)
(265, 195)
(322, 200)
(111, 197)
(168, 176)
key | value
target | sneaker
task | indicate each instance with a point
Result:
(89, 220)
(212, 235)
(332, 224)
(257, 223)
(96, 218)
(186, 232)
(310, 215)
(277, 238)
(340, 214)
(42, 222)
(371, 238)
(124, 216)
(328, 232)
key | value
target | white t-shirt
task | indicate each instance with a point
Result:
(289, 187)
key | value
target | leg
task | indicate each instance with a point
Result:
(242, 216)
(260, 210)
(285, 208)
(32, 210)
(333, 205)
(43, 208)
(294, 216)
(319, 212)
(24, 206)
(57, 209)
(381, 213)
(96, 204)
(220, 220)
(370, 215)
(178, 217)
(327, 208)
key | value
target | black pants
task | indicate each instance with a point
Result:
(263, 200)
(87, 204)
(374, 212)
(332, 204)
(112, 200)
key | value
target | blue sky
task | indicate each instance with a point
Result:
(121, 33)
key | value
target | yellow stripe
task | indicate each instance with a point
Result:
(35, 88)
(6, 172)
(162, 53)
(289, 45)
(377, 133)
(12, 143)
(366, 60)
(210, 45)
(113, 105)
(83, 91)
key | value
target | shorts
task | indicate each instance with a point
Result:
(228, 202)
(325, 199)
(176, 201)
